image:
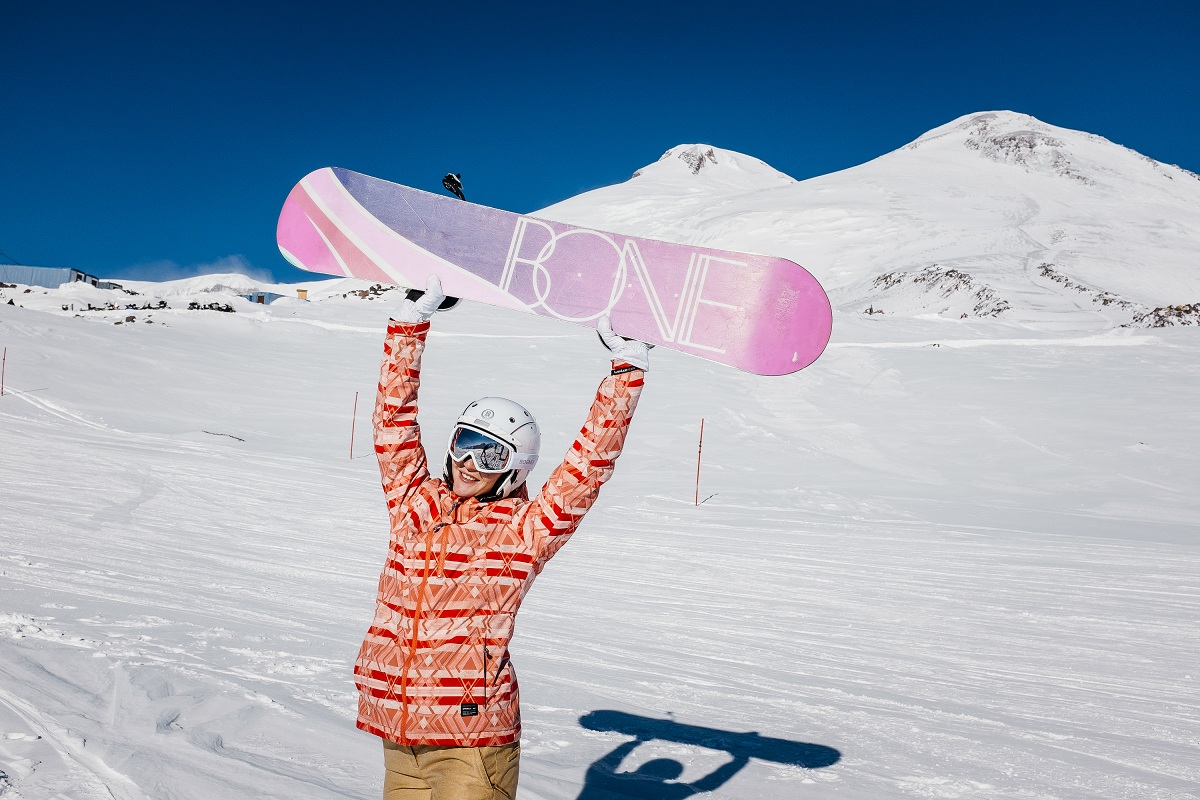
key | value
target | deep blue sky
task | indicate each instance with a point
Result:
(154, 140)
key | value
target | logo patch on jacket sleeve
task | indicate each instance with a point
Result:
(469, 709)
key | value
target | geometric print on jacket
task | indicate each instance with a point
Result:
(433, 668)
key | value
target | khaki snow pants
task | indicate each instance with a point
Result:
(450, 773)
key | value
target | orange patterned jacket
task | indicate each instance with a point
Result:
(434, 666)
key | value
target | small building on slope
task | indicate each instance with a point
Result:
(50, 277)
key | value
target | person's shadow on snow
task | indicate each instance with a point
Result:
(656, 779)
(653, 780)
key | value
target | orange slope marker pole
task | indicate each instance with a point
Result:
(699, 452)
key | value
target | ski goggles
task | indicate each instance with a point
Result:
(489, 453)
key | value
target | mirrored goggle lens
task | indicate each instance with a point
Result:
(489, 455)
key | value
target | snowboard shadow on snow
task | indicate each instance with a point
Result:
(654, 779)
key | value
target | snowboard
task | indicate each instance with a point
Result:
(757, 313)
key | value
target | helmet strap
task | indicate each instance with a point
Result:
(498, 491)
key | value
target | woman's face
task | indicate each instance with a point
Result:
(470, 482)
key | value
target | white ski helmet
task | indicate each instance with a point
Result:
(507, 422)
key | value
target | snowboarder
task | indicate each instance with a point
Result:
(434, 677)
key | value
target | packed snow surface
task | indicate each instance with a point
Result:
(950, 559)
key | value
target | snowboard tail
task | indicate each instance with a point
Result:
(757, 313)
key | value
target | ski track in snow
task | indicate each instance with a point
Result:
(87, 775)
(57, 410)
(972, 573)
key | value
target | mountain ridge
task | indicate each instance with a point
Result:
(994, 214)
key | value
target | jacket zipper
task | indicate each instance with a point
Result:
(416, 635)
(486, 656)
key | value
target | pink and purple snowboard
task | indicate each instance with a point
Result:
(756, 313)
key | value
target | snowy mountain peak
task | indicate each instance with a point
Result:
(987, 123)
(703, 163)
(1006, 137)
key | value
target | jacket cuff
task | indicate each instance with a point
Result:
(407, 328)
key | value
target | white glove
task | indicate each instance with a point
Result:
(423, 307)
(631, 351)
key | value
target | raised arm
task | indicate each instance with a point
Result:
(402, 463)
(715, 779)
(573, 487)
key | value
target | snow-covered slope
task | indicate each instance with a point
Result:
(993, 215)
(963, 557)
(950, 560)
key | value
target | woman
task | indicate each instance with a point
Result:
(434, 677)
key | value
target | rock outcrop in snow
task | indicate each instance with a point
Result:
(719, 167)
